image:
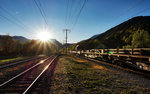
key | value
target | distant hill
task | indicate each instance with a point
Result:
(9, 45)
(134, 32)
(93, 37)
(54, 41)
(68, 45)
(21, 38)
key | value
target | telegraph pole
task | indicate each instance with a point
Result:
(66, 31)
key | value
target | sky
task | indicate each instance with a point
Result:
(83, 18)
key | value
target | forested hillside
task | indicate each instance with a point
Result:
(134, 33)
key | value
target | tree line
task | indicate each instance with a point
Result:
(139, 39)
(9, 47)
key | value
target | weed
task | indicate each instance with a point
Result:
(86, 77)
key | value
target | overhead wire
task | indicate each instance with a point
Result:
(79, 13)
(129, 9)
(13, 22)
(41, 12)
(134, 6)
(18, 21)
(76, 9)
(66, 19)
(70, 13)
(142, 11)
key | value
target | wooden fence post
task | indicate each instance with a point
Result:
(132, 51)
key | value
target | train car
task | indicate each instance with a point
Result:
(138, 57)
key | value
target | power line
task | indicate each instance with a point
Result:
(71, 11)
(41, 12)
(129, 9)
(66, 19)
(78, 15)
(76, 9)
(12, 22)
(42, 9)
(136, 5)
(72, 3)
(70, 15)
(142, 11)
(13, 18)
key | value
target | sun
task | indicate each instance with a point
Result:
(44, 36)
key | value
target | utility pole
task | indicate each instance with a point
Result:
(66, 31)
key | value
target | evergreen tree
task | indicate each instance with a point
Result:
(141, 39)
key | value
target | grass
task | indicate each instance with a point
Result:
(77, 76)
(9, 72)
(10, 59)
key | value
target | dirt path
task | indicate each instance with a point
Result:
(77, 76)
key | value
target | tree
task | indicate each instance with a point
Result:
(7, 44)
(141, 39)
(18, 47)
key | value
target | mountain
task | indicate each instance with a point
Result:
(132, 33)
(21, 38)
(68, 45)
(54, 41)
(93, 37)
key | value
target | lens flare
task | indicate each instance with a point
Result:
(44, 36)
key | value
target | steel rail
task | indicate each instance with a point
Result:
(23, 72)
(20, 61)
(39, 76)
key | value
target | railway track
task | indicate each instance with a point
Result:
(125, 68)
(9, 71)
(26, 81)
(8, 64)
